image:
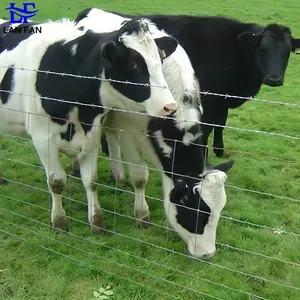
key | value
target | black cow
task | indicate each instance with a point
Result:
(229, 57)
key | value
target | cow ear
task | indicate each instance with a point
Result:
(110, 53)
(167, 45)
(224, 167)
(248, 38)
(178, 192)
(296, 46)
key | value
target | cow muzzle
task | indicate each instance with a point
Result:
(169, 109)
(198, 251)
(273, 80)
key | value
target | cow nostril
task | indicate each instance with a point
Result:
(274, 78)
(170, 108)
(208, 256)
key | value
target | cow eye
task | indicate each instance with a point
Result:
(133, 65)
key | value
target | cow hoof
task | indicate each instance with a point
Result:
(220, 153)
(60, 224)
(3, 181)
(125, 182)
(119, 178)
(122, 181)
(98, 226)
(144, 223)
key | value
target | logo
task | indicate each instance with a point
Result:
(23, 14)
(19, 19)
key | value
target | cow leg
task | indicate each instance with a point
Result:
(76, 168)
(138, 176)
(206, 130)
(56, 180)
(218, 144)
(89, 177)
(114, 154)
(104, 145)
(111, 148)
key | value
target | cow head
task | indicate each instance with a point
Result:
(198, 205)
(273, 46)
(137, 57)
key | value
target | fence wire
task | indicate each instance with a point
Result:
(115, 188)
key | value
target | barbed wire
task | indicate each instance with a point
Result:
(294, 105)
(62, 74)
(145, 114)
(136, 132)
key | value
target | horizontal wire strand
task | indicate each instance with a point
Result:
(155, 169)
(146, 114)
(122, 161)
(156, 86)
(140, 258)
(252, 154)
(181, 254)
(82, 262)
(123, 265)
(133, 193)
(109, 187)
(226, 96)
(160, 226)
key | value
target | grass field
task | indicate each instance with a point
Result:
(38, 264)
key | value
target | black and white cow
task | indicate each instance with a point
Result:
(73, 124)
(193, 197)
(229, 57)
(177, 70)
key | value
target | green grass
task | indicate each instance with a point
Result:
(36, 263)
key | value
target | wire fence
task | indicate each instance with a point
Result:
(252, 237)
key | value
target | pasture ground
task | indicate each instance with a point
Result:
(36, 263)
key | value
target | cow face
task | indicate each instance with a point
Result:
(197, 209)
(137, 57)
(273, 46)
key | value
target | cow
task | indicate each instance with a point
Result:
(174, 147)
(230, 57)
(8, 41)
(177, 70)
(193, 195)
(47, 94)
